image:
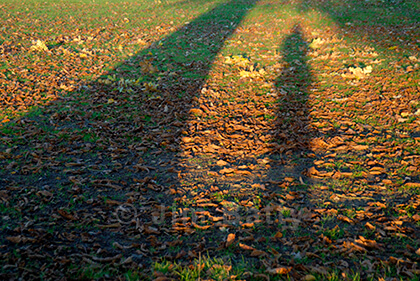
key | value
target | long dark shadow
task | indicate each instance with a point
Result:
(164, 83)
(293, 134)
(387, 23)
(164, 79)
(117, 144)
(289, 158)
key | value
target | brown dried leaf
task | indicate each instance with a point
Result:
(258, 253)
(367, 243)
(66, 215)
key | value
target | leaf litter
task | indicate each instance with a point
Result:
(283, 158)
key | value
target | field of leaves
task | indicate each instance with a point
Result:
(210, 139)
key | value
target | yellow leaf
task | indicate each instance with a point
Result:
(244, 74)
(309, 278)
(111, 101)
(316, 43)
(39, 46)
(237, 60)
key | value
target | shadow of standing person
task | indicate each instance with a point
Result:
(118, 137)
(293, 132)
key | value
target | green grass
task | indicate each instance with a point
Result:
(142, 58)
(201, 268)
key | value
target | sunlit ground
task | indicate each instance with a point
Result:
(210, 139)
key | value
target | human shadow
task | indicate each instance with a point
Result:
(164, 80)
(116, 141)
(293, 133)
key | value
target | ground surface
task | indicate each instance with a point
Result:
(248, 140)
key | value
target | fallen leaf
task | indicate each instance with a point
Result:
(416, 217)
(39, 46)
(367, 243)
(369, 226)
(246, 247)
(196, 111)
(19, 239)
(278, 235)
(66, 215)
(258, 253)
(345, 219)
(227, 171)
(221, 163)
(317, 43)
(279, 270)
(309, 278)
(230, 239)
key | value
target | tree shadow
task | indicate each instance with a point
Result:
(387, 23)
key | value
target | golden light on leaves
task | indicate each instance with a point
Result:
(358, 72)
(317, 43)
(228, 153)
(39, 46)
(239, 61)
(230, 239)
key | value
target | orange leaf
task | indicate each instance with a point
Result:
(196, 111)
(230, 239)
(370, 226)
(246, 247)
(345, 219)
(248, 224)
(279, 270)
(412, 184)
(416, 217)
(204, 227)
(278, 235)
